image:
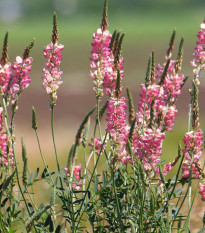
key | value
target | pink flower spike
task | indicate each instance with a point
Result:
(52, 74)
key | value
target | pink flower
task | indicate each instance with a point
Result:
(117, 126)
(76, 176)
(52, 74)
(199, 54)
(20, 78)
(202, 191)
(192, 152)
(101, 62)
(5, 75)
(5, 158)
(98, 145)
(148, 148)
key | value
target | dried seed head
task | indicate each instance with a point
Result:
(54, 37)
(118, 88)
(5, 56)
(153, 68)
(115, 43)
(71, 156)
(25, 167)
(171, 44)
(151, 120)
(118, 51)
(164, 73)
(112, 42)
(85, 133)
(131, 107)
(78, 138)
(178, 63)
(148, 73)
(131, 132)
(34, 119)
(195, 107)
(160, 118)
(27, 50)
(104, 24)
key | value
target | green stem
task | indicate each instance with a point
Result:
(53, 136)
(117, 202)
(89, 185)
(44, 162)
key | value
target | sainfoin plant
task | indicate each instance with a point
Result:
(130, 189)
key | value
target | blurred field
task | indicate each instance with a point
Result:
(147, 27)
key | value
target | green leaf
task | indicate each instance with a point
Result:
(36, 174)
(48, 220)
(30, 208)
(51, 226)
(58, 228)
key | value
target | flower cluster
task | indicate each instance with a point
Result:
(5, 75)
(101, 63)
(149, 148)
(20, 78)
(199, 54)
(105, 66)
(158, 99)
(202, 191)
(52, 74)
(117, 126)
(76, 176)
(95, 142)
(193, 151)
(5, 158)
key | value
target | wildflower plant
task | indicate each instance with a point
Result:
(131, 192)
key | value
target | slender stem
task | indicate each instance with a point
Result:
(53, 136)
(117, 201)
(44, 162)
(89, 184)
(98, 117)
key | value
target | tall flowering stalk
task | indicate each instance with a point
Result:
(5, 68)
(157, 109)
(20, 77)
(52, 73)
(193, 140)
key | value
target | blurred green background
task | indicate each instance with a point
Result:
(148, 25)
